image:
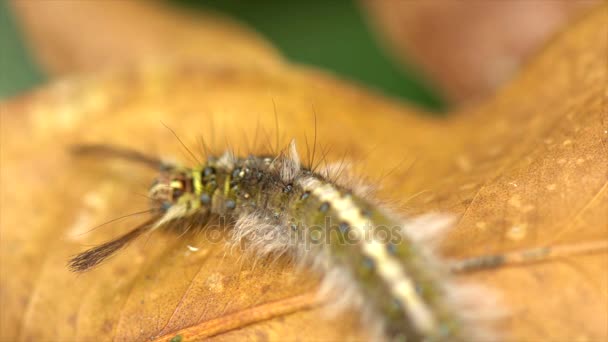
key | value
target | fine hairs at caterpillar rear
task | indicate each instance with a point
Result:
(371, 259)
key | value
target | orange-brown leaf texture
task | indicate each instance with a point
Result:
(526, 168)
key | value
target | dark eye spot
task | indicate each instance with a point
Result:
(368, 264)
(288, 188)
(343, 227)
(208, 171)
(177, 193)
(315, 236)
(446, 329)
(391, 248)
(165, 206)
(205, 199)
(396, 305)
(366, 212)
(230, 204)
(324, 207)
(305, 195)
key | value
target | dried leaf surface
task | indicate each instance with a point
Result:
(527, 168)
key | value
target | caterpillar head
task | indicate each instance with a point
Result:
(168, 187)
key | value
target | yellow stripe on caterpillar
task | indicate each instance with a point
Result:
(388, 267)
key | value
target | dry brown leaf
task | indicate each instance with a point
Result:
(528, 168)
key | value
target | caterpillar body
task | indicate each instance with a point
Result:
(370, 258)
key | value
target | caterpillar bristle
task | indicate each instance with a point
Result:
(92, 257)
(104, 150)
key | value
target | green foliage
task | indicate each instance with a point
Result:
(17, 71)
(332, 35)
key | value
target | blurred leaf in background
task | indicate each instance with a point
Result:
(17, 71)
(332, 35)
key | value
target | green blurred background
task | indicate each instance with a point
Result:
(332, 35)
(18, 72)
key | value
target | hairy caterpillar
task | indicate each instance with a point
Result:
(277, 206)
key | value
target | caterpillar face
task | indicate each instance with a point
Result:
(168, 188)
